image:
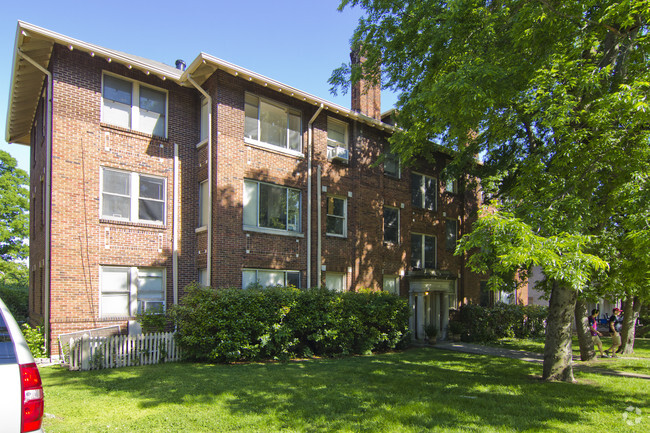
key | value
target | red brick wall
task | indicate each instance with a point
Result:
(81, 145)
(82, 241)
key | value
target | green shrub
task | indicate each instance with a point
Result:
(16, 298)
(152, 322)
(502, 321)
(229, 325)
(35, 337)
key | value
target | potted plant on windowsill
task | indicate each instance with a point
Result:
(456, 329)
(432, 333)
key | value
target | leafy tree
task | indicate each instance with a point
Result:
(14, 230)
(551, 94)
(14, 208)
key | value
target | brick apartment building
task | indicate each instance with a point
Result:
(147, 177)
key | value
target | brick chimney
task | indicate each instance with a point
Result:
(366, 98)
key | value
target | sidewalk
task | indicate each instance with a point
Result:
(522, 355)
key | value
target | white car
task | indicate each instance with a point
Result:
(21, 390)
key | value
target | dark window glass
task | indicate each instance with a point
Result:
(450, 235)
(391, 225)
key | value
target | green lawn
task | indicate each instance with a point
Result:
(420, 390)
(638, 362)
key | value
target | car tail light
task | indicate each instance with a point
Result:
(33, 404)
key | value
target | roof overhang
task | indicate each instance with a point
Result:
(37, 43)
(205, 65)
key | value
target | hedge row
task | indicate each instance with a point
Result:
(502, 321)
(229, 325)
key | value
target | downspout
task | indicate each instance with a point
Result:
(209, 234)
(48, 170)
(320, 225)
(309, 210)
(175, 228)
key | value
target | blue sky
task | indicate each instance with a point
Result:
(297, 42)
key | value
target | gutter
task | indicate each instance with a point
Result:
(210, 181)
(309, 210)
(48, 198)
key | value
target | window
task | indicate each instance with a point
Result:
(451, 186)
(204, 120)
(204, 205)
(270, 277)
(391, 284)
(423, 191)
(451, 231)
(133, 105)
(269, 123)
(126, 291)
(335, 281)
(337, 140)
(203, 277)
(391, 163)
(336, 216)
(271, 206)
(132, 197)
(391, 225)
(423, 251)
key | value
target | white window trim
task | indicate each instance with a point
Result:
(269, 146)
(345, 217)
(334, 144)
(270, 230)
(203, 224)
(399, 232)
(133, 272)
(134, 197)
(435, 249)
(135, 107)
(283, 271)
(423, 191)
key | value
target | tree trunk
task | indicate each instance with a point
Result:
(587, 351)
(557, 347)
(631, 310)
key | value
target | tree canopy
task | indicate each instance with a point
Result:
(14, 210)
(552, 95)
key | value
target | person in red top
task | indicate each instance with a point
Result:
(595, 333)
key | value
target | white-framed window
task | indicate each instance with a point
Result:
(204, 204)
(272, 207)
(423, 251)
(126, 291)
(451, 234)
(270, 123)
(391, 225)
(270, 277)
(423, 191)
(336, 281)
(204, 120)
(337, 219)
(391, 163)
(203, 277)
(391, 284)
(337, 140)
(134, 197)
(134, 105)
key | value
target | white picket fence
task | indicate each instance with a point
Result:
(92, 353)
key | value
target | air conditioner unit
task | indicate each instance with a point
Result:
(338, 153)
